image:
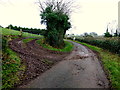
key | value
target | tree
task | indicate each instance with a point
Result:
(116, 33)
(10, 26)
(87, 35)
(55, 15)
(107, 34)
(93, 34)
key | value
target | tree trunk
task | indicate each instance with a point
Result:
(55, 38)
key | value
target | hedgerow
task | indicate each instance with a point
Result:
(113, 45)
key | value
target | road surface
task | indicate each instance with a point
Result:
(81, 69)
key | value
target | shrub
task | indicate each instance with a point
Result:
(113, 45)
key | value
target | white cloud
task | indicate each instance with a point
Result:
(92, 16)
(20, 13)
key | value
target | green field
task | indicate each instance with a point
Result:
(13, 32)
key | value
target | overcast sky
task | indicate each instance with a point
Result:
(92, 15)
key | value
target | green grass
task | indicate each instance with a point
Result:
(68, 46)
(28, 40)
(11, 65)
(13, 32)
(111, 63)
(10, 68)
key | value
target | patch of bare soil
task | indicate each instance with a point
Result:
(36, 58)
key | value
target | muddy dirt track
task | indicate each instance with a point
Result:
(78, 69)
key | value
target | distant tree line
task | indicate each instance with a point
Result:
(92, 34)
(106, 34)
(29, 30)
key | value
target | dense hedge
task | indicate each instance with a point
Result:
(108, 44)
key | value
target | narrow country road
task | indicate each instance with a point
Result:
(81, 69)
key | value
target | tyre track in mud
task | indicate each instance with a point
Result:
(80, 69)
(33, 56)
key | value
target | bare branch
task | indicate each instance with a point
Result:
(60, 6)
(40, 5)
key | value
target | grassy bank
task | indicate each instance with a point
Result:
(28, 40)
(111, 64)
(68, 46)
(11, 65)
(6, 32)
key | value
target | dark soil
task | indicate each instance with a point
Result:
(36, 59)
(81, 69)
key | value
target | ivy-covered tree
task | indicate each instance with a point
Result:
(56, 18)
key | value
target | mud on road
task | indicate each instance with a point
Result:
(36, 59)
(79, 69)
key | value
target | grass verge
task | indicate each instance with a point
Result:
(11, 65)
(28, 40)
(13, 32)
(111, 63)
(68, 46)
